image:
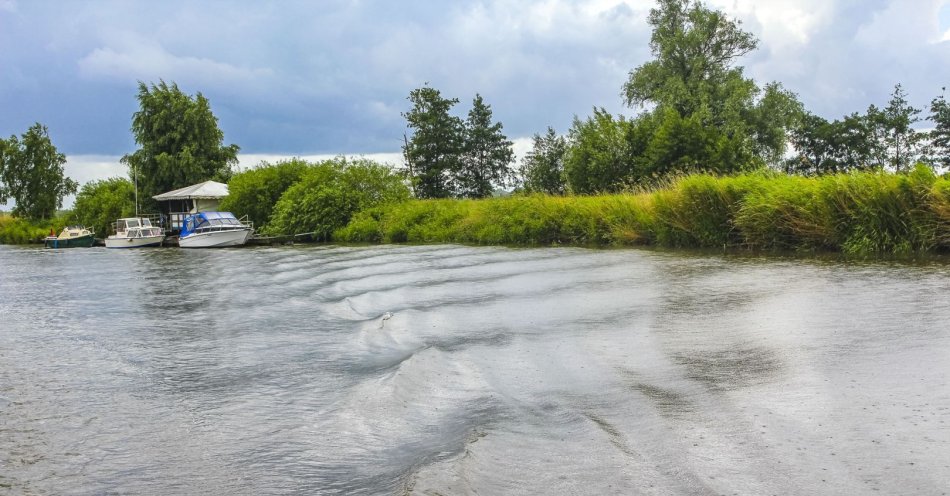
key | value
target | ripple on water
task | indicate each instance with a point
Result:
(463, 370)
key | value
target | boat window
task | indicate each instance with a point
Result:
(146, 223)
(132, 223)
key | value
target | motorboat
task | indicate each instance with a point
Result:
(71, 237)
(213, 230)
(135, 232)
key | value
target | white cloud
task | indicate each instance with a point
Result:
(8, 5)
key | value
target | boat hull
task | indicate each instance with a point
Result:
(215, 239)
(145, 241)
(77, 242)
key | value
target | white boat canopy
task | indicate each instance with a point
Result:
(208, 190)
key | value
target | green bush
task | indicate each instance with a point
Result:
(330, 193)
(256, 191)
(100, 203)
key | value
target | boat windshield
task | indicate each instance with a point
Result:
(210, 221)
(131, 223)
(146, 223)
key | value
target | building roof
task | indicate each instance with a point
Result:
(200, 191)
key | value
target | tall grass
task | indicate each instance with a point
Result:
(867, 213)
(16, 231)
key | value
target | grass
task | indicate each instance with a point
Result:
(859, 214)
(16, 231)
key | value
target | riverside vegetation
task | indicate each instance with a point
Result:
(861, 213)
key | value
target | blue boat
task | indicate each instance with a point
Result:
(213, 230)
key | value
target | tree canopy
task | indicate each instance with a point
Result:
(31, 173)
(940, 136)
(180, 142)
(542, 168)
(487, 154)
(448, 157)
(100, 203)
(433, 152)
(710, 116)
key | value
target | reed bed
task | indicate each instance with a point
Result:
(864, 214)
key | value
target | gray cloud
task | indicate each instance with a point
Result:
(300, 78)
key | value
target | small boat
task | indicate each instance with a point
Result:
(71, 237)
(135, 232)
(213, 230)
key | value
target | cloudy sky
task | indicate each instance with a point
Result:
(331, 77)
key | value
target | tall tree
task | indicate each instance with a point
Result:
(542, 168)
(940, 136)
(180, 141)
(898, 142)
(31, 173)
(694, 73)
(487, 154)
(694, 49)
(433, 152)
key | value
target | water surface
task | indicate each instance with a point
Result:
(461, 370)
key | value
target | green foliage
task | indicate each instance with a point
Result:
(447, 157)
(433, 152)
(20, 231)
(706, 115)
(100, 203)
(825, 147)
(330, 193)
(31, 173)
(598, 158)
(487, 154)
(180, 141)
(542, 168)
(860, 214)
(940, 136)
(694, 49)
(898, 142)
(254, 192)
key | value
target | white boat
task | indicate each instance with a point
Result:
(135, 232)
(213, 230)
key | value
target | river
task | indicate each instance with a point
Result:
(466, 370)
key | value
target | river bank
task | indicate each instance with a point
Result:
(858, 214)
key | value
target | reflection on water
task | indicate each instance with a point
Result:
(459, 370)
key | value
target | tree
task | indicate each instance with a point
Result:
(487, 154)
(433, 152)
(100, 203)
(542, 168)
(598, 158)
(898, 142)
(694, 49)
(31, 173)
(825, 147)
(180, 141)
(940, 136)
(694, 75)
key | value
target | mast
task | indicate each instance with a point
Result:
(135, 180)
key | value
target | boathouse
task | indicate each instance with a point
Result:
(178, 204)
